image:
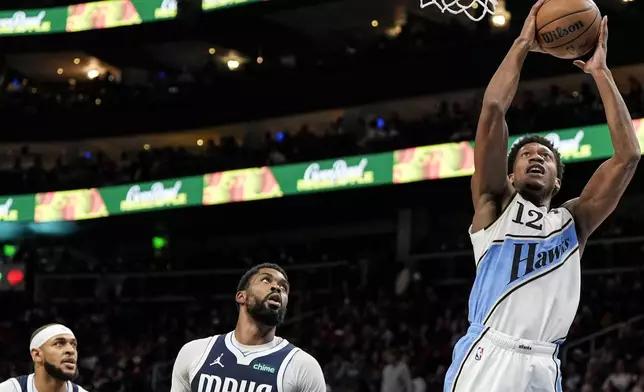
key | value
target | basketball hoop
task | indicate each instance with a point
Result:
(455, 7)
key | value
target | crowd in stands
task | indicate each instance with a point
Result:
(348, 316)
(454, 121)
(344, 309)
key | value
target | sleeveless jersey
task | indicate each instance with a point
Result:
(226, 369)
(528, 277)
(26, 384)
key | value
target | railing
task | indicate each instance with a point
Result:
(177, 285)
(592, 339)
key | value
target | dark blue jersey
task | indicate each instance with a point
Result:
(224, 370)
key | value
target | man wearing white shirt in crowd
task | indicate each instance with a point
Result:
(396, 376)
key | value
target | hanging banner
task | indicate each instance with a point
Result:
(86, 16)
(240, 185)
(395, 167)
(433, 162)
(579, 144)
(33, 21)
(211, 5)
(183, 192)
(102, 15)
(17, 208)
(73, 205)
(333, 174)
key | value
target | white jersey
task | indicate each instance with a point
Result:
(528, 276)
(221, 364)
(14, 385)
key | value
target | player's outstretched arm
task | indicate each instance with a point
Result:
(605, 188)
(490, 180)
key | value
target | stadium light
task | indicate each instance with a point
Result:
(501, 17)
(15, 277)
(9, 250)
(233, 64)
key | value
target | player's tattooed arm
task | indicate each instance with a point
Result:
(490, 181)
(606, 187)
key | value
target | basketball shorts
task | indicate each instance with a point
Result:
(485, 360)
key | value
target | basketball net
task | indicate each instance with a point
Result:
(455, 7)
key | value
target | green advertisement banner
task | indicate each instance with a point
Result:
(579, 144)
(335, 174)
(153, 10)
(211, 5)
(180, 192)
(17, 208)
(33, 21)
(396, 167)
(86, 16)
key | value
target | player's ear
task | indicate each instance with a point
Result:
(557, 186)
(511, 178)
(241, 297)
(36, 356)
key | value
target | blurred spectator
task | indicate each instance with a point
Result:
(396, 376)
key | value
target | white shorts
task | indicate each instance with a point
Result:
(485, 360)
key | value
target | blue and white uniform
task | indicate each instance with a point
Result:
(523, 302)
(221, 364)
(26, 384)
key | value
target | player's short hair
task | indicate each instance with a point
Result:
(514, 151)
(248, 275)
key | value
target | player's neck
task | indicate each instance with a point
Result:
(537, 201)
(250, 333)
(45, 383)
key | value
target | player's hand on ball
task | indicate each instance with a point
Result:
(529, 31)
(598, 61)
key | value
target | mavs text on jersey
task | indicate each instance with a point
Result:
(221, 364)
(523, 301)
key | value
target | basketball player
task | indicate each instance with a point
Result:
(250, 358)
(527, 286)
(54, 353)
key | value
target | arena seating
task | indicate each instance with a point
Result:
(133, 308)
(343, 309)
(558, 110)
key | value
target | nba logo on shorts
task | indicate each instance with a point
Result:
(479, 353)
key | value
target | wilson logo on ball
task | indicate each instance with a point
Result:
(551, 36)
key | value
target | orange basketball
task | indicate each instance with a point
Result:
(568, 29)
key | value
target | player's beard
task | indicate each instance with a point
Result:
(58, 374)
(264, 314)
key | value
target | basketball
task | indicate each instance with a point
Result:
(568, 29)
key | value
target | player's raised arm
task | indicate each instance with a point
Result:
(602, 193)
(490, 180)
